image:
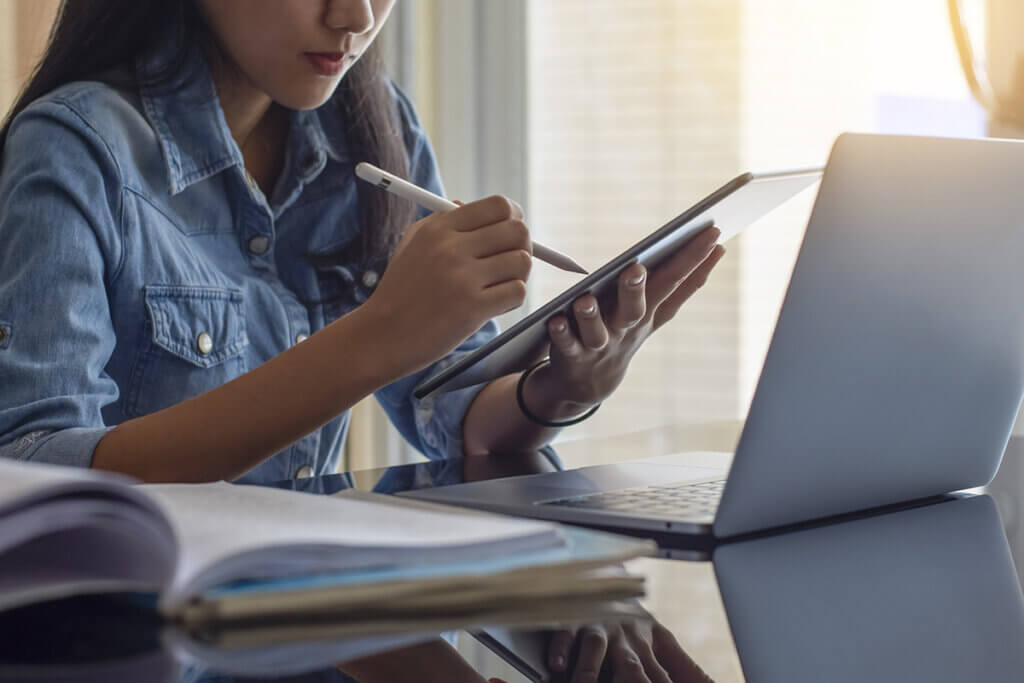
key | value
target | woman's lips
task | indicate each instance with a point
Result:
(327, 63)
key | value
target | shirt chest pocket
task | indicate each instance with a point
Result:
(194, 340)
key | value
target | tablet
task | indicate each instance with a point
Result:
(524, 650)
(732, 207)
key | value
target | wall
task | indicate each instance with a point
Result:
(24, 26)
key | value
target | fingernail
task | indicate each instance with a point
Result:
(588, 310)
(636, 281)
(559, 663)
(559, 327)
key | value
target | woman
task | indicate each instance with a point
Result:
(193, 286)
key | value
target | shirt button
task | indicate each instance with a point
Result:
(299, 338)
(304, 472)
(204, 343)
(259, 244)
(370, 279)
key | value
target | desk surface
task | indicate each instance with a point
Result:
(929, 593)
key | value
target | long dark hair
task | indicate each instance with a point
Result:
(91, 39)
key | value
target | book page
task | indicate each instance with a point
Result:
(27, 481)
(230, 532)
(67, 531)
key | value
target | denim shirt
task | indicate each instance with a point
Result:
(140, 267)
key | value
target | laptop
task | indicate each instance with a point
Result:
(894, 374)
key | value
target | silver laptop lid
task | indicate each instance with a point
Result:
(895, 371)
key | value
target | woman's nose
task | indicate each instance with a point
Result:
(355, 16)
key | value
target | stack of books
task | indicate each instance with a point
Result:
(245, 567)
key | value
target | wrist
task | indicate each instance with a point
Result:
(367, 334)
(542, 393)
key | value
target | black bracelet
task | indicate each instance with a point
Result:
(538, 420)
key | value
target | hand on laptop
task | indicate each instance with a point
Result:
(636, 651)
(588, 366)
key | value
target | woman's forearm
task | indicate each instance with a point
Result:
(227, 431)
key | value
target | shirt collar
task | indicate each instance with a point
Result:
(194, 136)
(317, 134)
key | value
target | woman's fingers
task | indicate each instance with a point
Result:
(670, 305)
(627, 667)
(654, 670)
(667, 277)
(593, 332)
(593, 644)
(558, 650)
(504, 297)
(484, 212)
(622, 654)
(631, 305)
(507, 235)
(674, 659)
(508, 265)
(563, 339)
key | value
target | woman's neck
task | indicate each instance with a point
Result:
(258, 125)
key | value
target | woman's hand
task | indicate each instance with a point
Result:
(632, 652)
(587, 367)
(451, 273)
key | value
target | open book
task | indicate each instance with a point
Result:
(222, 554)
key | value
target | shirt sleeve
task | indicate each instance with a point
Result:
(60, 203)
(433, 425)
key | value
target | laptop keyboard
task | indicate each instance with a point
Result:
(681, 500)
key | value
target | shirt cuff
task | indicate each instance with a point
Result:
(72, 447)
(439, 421)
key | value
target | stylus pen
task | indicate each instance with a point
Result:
(429, 200)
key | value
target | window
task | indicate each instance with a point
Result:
(638, 109)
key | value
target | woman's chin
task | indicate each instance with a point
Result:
(306, 98)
